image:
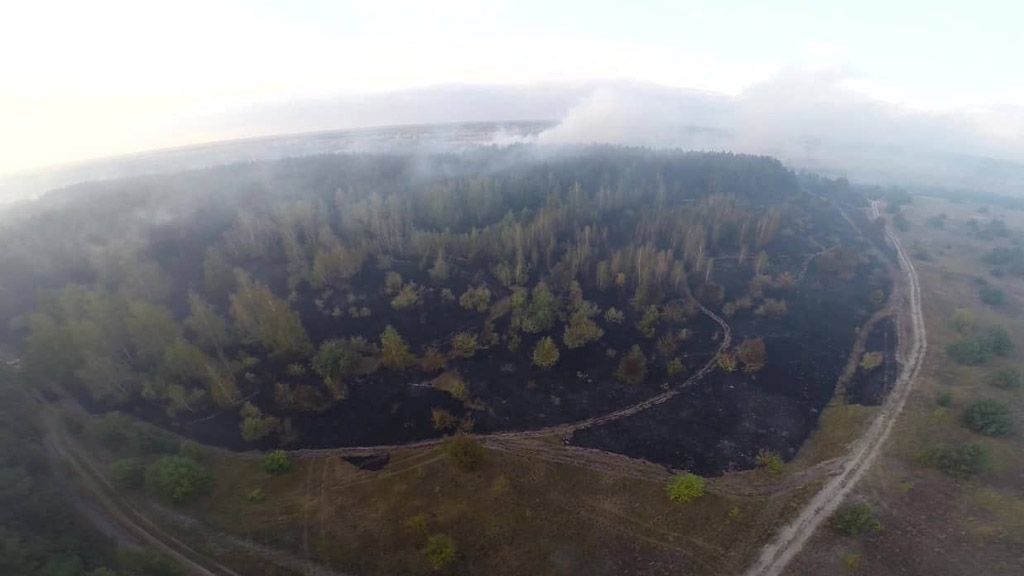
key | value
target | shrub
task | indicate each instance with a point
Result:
(944, 399)
(992, 296)
(727, 361)
(256, 495)
(855, 520)
(465, 452)
(769, 461)
(961, 461)
(177, 479)
(440, 551)
(127, 473)
(276, 462)
(648, 323)
(772, 308)
(1006, 378)
(963, 320)
(871, 360)
(969, 352)
(998, 342)
(989, 417)
(683, 488)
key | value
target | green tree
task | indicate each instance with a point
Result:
(151, 330)
(962, 461)
(394, 351)
(614, 316)
(335, 360)
(208, 328)
(989, 417)
(685, 487)
(648, 323)
(263, 318)
(541, 311)
(408, 297)
(545, 353)
(464, 345)
(177, 479)
(581, 330)
(478, 299)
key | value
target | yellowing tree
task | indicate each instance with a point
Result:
(394, 351)
(545, 354)
(263, 318)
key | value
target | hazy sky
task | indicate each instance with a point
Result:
(101, 77)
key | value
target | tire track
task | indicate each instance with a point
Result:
(791, 539)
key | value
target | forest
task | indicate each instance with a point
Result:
(379, 299)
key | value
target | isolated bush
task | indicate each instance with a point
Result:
(452, 383)
(855, 520)
(394, 351)
(997, 341)
(685, 487)
(961, 461)
(944, 399)
(992, 296)
(1006, 378)
(871, 360)
(127, 472)
(989, 417)
(963, 320)
(465, 452)
(440, 551)
(177, 479)
(276, 462)
(256, 495)
(674, 367)
(727, 361)
(769, 461)
(969, 351)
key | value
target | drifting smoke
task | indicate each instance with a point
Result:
(811, 121)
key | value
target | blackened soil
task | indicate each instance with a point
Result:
(871, 388)
(722, 422)
(372, 462)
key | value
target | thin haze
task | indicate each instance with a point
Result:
(88, 79)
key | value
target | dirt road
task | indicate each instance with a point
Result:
(791, 538)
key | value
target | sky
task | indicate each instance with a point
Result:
(81, 80)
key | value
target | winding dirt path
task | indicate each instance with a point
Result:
(791, 538)
(564, 430)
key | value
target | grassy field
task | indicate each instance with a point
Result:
(933, 523)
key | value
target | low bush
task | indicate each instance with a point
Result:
(277, 462)
(1006, 378)
(685, 487)
(962, 461)
(127, 472)
(440, 551)
(465, 452)
(855, 520)
(177, 479)
(989, 417)
(769, 460)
